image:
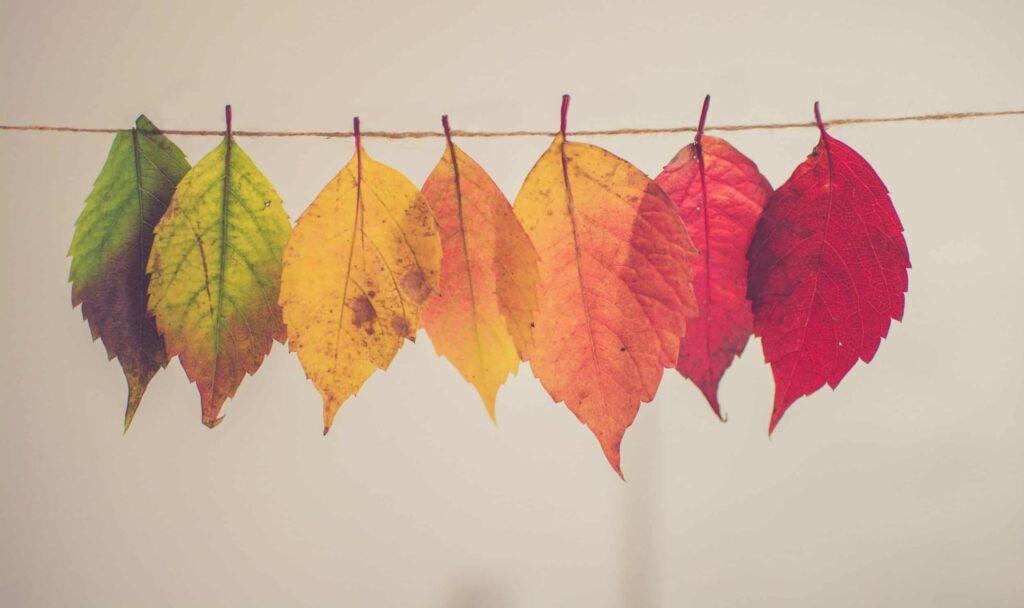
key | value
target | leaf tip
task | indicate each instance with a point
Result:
(618, 470)
(137, 384)
(611, 448)
(143, 123)
(330, 410)
(711, 395)
(129, 414)
(212, 422)
(489, 406)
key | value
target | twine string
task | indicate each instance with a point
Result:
(584, 133)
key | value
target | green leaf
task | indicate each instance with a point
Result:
(112, 242)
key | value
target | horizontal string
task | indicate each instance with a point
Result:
(597, 132)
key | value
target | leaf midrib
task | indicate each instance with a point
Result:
(137, 153)
(465, 254)
(218, 314)
(570, 203)
(351, 255)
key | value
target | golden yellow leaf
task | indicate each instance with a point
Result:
(358, 267)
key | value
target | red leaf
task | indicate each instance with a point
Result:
(828, 270)
(720, 195)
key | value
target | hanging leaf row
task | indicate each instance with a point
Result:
(599, 276)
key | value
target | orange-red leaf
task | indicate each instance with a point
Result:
(615, 284)
(720, 194)
(480, 320)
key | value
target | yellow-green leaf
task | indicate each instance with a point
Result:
(216, 270)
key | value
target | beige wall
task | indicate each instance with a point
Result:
(901, 488)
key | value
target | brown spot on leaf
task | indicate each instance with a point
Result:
(400, 326)
(363, 313)
(415, 286)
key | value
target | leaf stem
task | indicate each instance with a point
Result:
(565, 112)
(359, 161)
(703, 117)
(227, 119)
(817, 118)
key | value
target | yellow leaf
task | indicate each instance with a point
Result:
(360, 264)
(481, 318)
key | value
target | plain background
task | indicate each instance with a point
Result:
(904, 487)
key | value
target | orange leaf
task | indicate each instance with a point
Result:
(615, 283)
(480, 320)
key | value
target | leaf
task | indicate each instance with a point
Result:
(480, 319)
(112, 240)
(216, 268)
(720, 195)
(614, 290)
(828, 271)
(360, 264)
